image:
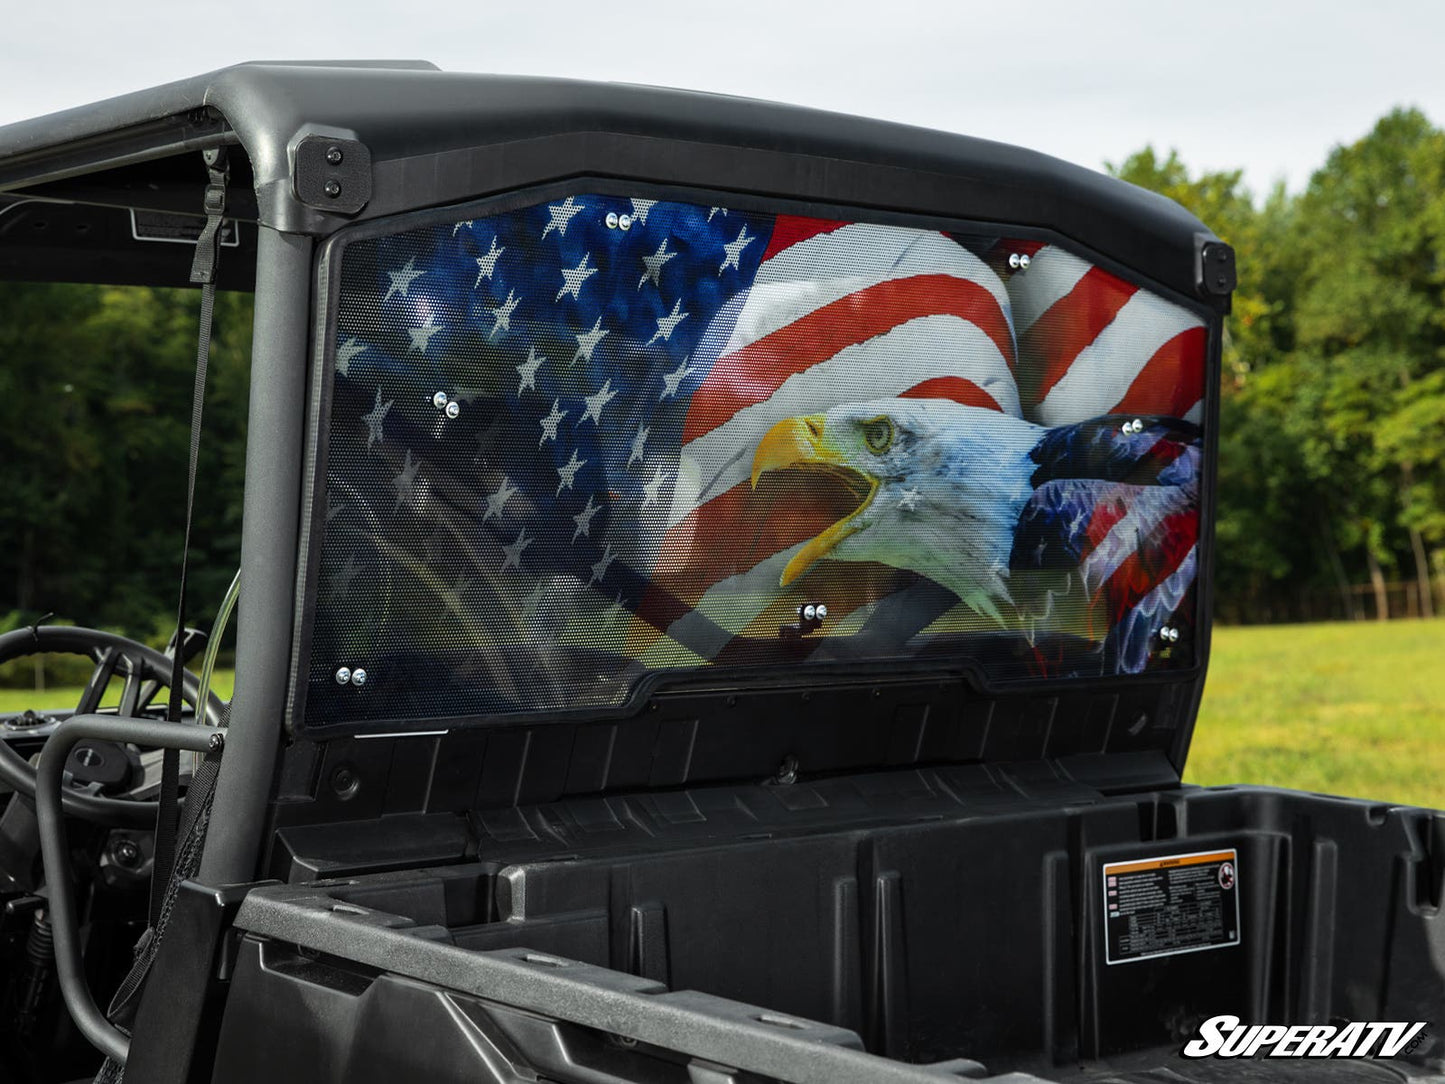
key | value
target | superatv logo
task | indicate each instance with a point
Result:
(1228, 1037)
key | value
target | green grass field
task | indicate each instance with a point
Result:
(1348, 708)
(1355, 709)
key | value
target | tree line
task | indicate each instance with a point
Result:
(1332, 447)
(1332, 442)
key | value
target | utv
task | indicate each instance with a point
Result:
(724, 597)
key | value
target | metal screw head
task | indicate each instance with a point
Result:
(334, 155)
(624, 222)
(1014, 260)
(1024, 261)
(358, 677)
(810, 612)
(453, 408)
(612, 220)
(127, 853)
(439, 400)
(343, 675)
(822, 611)
(332, 189)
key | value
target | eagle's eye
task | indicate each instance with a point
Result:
(878, 435)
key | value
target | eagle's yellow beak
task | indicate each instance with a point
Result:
(802, 442)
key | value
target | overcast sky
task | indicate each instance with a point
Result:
(1267, 86)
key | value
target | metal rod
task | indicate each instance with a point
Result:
(49, 784)
(269, 537)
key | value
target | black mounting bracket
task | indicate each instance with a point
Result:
(332, 174)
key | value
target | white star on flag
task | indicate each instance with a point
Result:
(502, 314)
(497, 501)
(421, 336)
(587, 341)
(561, 214)
(375, 418)
(401, 280)
(599, 570)
(666, 325)
(596, 402)
(405, 482)
(574, 277)
(583, 519)
(716, 211)
(671, 381)
(527, 371)
(513, 552)
(487, 265)
(456, 227)
(640, 209)
(734, 250)
(653, 488)
(549, 423)
(639, 441)
(909, 500)
(345, 352)
(567, 473)
(653, 265)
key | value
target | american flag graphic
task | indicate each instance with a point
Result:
(540, 463)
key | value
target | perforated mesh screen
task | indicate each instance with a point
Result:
(593, 439)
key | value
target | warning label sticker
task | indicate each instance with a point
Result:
(1164, 906)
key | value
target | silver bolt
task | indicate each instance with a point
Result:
(1138, 426)
(332, 189)
(624, 222)
(810, 612)
(334, 156)
(1173, 635)
(1024, 261)
(358, 677)
(613, 220)
(439, 400)
(453, 409)
(343, 675)
(822, 611)
(1015, 260)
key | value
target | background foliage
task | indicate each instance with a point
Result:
(1332, 495)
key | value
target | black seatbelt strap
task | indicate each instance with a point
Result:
(203, 273)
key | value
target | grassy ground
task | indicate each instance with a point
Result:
(63, 696)
(1348, 708)
(1356, 709)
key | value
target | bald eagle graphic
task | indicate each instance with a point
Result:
(1087, 528)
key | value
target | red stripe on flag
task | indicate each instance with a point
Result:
(737, 530)
(751, 374)
(957, 388)
(789, 230)
(1057, 337)
(1106, 513)
(1171, 381)
(1150, 565)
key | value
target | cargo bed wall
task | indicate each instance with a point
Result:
(935, 937)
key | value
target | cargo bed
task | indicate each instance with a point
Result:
(923, 916)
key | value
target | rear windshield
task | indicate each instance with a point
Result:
(579, 444)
